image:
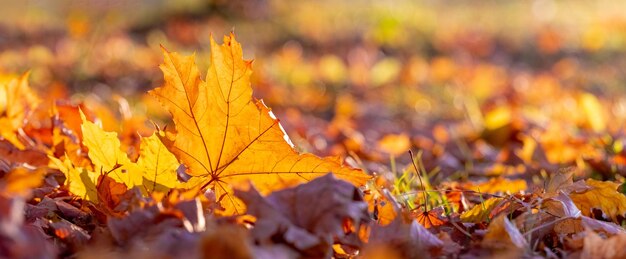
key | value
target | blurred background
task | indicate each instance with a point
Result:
(485, 87)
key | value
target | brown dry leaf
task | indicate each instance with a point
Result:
(20, 239)
(567, 227)
(559, 180)
(110, 194)
(596, 247)
(561, 206)
(308, 217)
(224, 135)
(12, 155)
(226, 242)
(503, 235)
(402, 240)
(163, 230)
(69, 232)
(17, 101)
(603, 196)
(574, 230)
(578, 225)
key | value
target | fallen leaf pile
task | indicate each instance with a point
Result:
(213, 173)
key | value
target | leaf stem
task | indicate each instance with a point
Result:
(417, 171)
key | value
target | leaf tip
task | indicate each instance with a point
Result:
(25, 76)
(82, 115)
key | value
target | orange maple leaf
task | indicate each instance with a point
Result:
(224, 135)
(429, 218)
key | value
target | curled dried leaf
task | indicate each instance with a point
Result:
(402, 240)
(308, 217)
(504, 237)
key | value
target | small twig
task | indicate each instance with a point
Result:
(417, 171)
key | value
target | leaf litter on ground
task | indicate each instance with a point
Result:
(68, 187)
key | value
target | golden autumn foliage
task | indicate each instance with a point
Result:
(603, 196)
(155, 170)
(17, 102)
(106, 155)
(224, 135)
(113, 146)
(79, 181)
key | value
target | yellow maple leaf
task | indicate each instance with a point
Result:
(106, 155)
(480, 212)
(224, 135)
(155, 169)
(157, 164)
(79, 181)
(17, 101)
(603, 196)
(504, 238)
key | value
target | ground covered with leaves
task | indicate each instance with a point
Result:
(403, 135)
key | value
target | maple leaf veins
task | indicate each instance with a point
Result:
(225, 135)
